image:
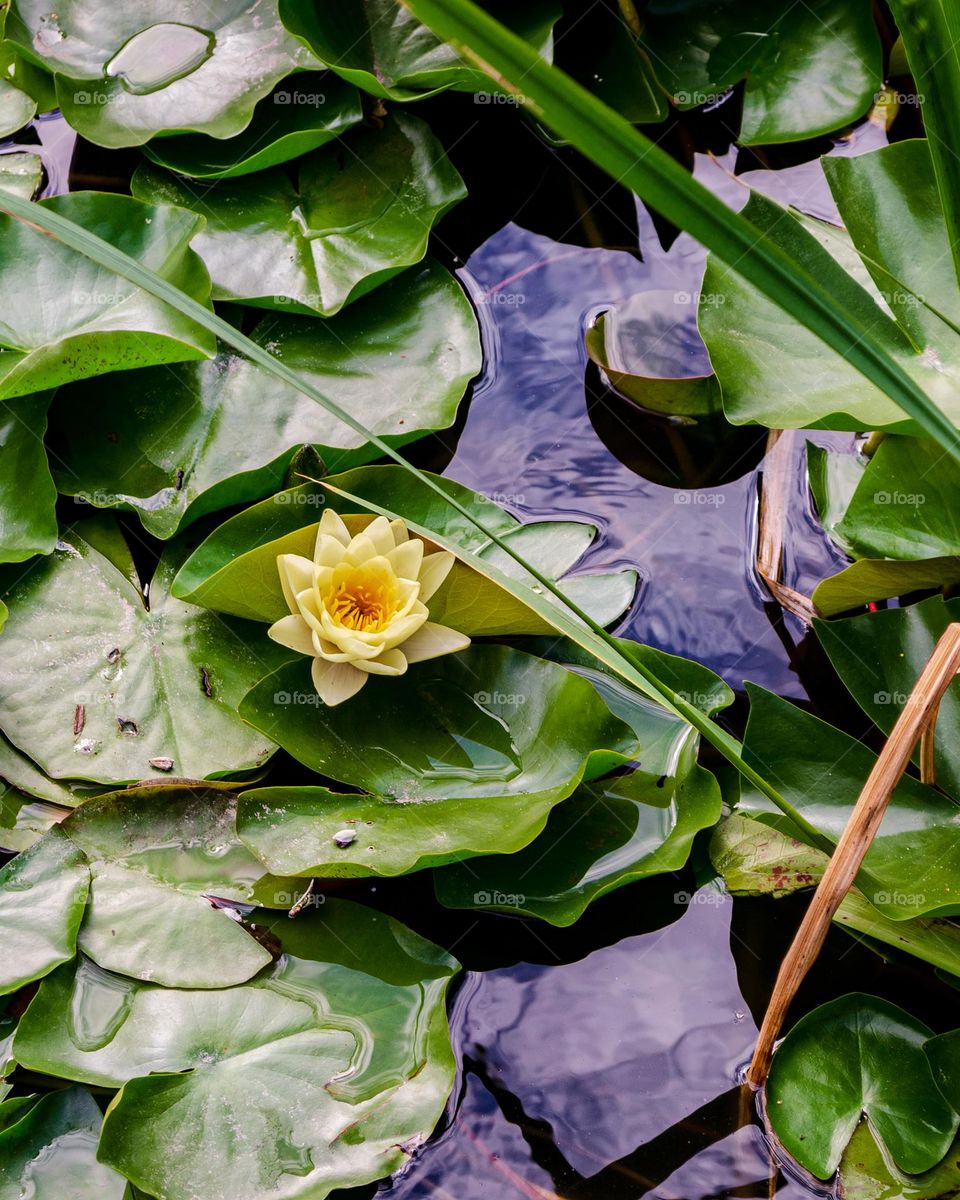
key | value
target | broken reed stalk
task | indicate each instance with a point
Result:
(921, 708)
(772, 522)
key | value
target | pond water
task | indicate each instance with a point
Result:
(602, 1061)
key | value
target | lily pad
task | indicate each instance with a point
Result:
(913, 866)
(21, 173)
(335, 1065)
(867, 1173)
(880, 656)
(772, 371)
(301, 113)
(640, 345)
(234, 570)
(99, 686)
(173, 444)
(833, 479)
(52, 1151)
(16, 108)
(124, 75)
(157, 856)
(472, 751)
(97, 321)
(614, 831)
(856, 1056)
(28, 495)
(756, 860)
(361, 212)
(381, 47)
(43, 892)
(873, 579)
(810, 68)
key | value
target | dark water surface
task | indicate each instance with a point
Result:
(601, 1062)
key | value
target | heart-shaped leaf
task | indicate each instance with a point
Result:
(913, 864)
(856, 1056)
(52, 1151)
(72, 319)
(380, 46)
(773, 371)
(157, 856)
(879, 657)
(100, 686)
(810, 68)
(472, 751)
(43, 892)
(234, 570)
(124, 74)
(173, 444)
(300, 114)
(335, 1065)
(866, 1173)
(361, 213)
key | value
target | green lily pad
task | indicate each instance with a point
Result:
(856, 1056)
(614, 831)
(98, 686)
(52, 1151)
(361, 213)
(21, 174)
(756, 860)
(96, 321)
(28, 495)
(173, 444)
(234, 570)
(124, 75)
(833, 479)
(30, 801)
(43, 892)
(867, 1173)
(301, 113)
(16, 108)
(772, 371)
(335, 1065)
(607, 58)
(26, 77)
(381, 47)
(24, 820)
(809, 68)
(156, 855)
(873, 579)
(639, 346)
(913, 866)
(472, 751)
(880, 656)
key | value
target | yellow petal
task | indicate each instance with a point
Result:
(332, 525)
(435, 569)
(329, 551)
(294, 633)
(296, 574)
(361, 548)
(406, 559)
(402, 628)
(400, 532)
(336, 682)
(390, 662)
(432, 640)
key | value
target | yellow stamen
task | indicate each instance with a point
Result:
(364, 605)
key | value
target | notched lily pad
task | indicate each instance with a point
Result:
(124, 75)
(334, 1065)
(97, 684)
(361, 212)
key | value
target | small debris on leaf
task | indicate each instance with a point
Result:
(344, 838)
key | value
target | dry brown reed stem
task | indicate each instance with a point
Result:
(838, 878)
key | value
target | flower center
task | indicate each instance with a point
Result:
(363, 602)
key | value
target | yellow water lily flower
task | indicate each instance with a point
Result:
(359, 601)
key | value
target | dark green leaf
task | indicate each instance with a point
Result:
(866, 1173)
(28, 495)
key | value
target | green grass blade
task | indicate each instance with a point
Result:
(608, 140)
